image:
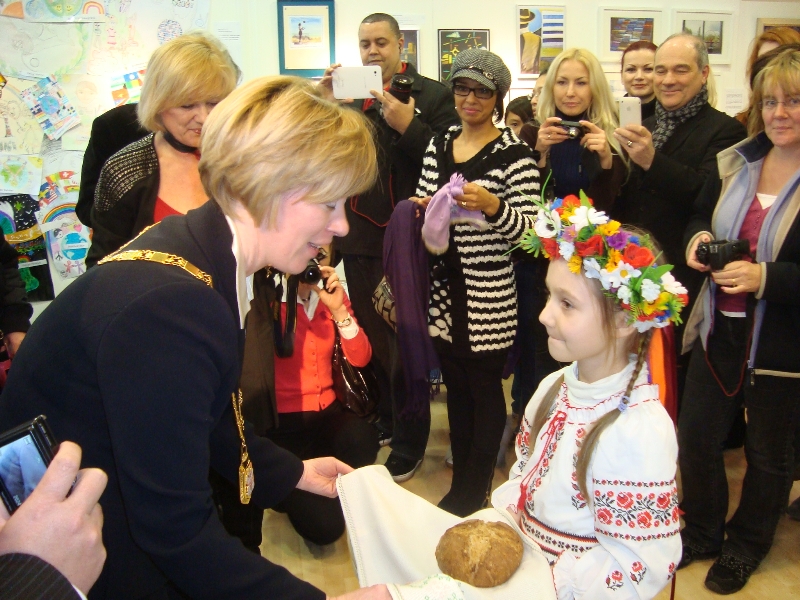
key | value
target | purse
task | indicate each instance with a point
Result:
(383, 301)
(355, 387)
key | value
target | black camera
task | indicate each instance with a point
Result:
(311, 274)
(25, 453)
(400, 87)
(719, 253)
(574, 129)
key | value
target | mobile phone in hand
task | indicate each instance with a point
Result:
(25, 453)
(630, 111)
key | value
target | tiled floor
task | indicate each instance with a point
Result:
(330, 567)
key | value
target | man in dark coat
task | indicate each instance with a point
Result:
(402, 133)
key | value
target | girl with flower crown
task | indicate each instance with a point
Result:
(593, 492)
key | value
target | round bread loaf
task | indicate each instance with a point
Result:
(480, 553)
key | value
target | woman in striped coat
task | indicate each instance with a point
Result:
(473, 305)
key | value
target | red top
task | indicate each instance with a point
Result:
(162, 210)
(304, 381)
(751, 229)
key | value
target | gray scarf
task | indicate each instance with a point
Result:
(668, 120)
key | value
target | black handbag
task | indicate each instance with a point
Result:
(355, 387)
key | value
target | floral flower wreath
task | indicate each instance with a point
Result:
(572, 229)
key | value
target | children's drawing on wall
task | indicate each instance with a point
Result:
(19, 225)
(51, 108)
(453, 41)
(60, 11)
(306, 30)
(12, 8)
(20, 174)
(19, 131)
(67, 238)
(91, 96)
(36, 50)
(126, 88)
(541, 37)
(117, 45)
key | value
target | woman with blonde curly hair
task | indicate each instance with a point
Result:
(586, 156)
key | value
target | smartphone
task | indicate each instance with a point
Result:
(25, 453)
(630, 111)
(356, 82)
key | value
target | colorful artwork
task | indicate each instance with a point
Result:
(12, 8)
(541, 37)
(67, 238)
(306, 31)
(453, 41)
(19, 225)
(410, 53)
(59, 11)
(36, 50)
(91, 96)
(20, 174)
(50, 107)
(19, 131)
(624, 31)
(127, 88)
(56, 186)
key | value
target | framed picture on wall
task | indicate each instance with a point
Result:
(453, 41)
(305, 37)
(620, 27)
(410, 53)
(541, 37)
(714, 28)
(764, 24)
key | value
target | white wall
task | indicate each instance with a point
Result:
(259, 27)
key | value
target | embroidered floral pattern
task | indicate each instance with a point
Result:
(552, 541)
(614, 580)
(633, 514)
(578, 501)
(637, 572)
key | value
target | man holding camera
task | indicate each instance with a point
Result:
(402, 133)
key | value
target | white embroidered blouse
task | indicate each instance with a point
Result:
(626, 543)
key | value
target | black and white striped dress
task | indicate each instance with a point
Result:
(473, 301)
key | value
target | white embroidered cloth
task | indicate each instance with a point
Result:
(393, 536)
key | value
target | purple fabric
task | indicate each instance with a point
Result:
(443, 210)
(405, 263)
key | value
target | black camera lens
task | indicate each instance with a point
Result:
(400, 87)
(311, 274)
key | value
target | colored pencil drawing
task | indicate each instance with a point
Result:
(59, 11)
(35, 50)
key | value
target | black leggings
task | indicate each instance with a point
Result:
(334, 431)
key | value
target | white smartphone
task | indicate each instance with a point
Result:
(630, 111)
(356, 82)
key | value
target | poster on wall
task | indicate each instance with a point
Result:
(541, 37)
(305, 37)
(714, 28)
(763, 25)
(410, 53)
(453, 41)
(620, 27)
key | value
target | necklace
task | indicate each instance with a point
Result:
(179, 146)
(246, 477)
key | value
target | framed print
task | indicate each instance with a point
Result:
(410, 53)
(453, 41)
(763, 24)
(541, 38)
(620, 27)
(714, 28)
(305, 37)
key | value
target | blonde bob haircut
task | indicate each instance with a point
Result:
(782, 72)
(603, 109)
(276, 137)
(186, 70)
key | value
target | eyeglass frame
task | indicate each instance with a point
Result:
(786, 106)
(474, 91)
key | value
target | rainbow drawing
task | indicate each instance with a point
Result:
(94, 8)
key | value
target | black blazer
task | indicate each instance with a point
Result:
(26, 577)
(137, 362)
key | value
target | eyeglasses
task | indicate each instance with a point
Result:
(483, 93)
(770, 104)
(536, 93)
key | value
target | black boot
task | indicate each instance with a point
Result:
(460, 450)
(474, 485)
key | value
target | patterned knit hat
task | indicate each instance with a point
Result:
(484, 67)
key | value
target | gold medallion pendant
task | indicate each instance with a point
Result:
(247, 480)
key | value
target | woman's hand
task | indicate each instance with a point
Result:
(319, 476)
(595, 140)
(638, 143)
(325, 85)
(692, 261)
(374, 592)
(738, 276)
(550, 134)
(477, 198)
(423, 202)
(332, 295)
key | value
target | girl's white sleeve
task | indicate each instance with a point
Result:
(635, 506)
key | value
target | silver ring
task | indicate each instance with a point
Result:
(464, 204)
(548, 136)
(630, 143)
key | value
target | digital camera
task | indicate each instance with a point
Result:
(574, 129)
(719, 253)
(311, 274)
